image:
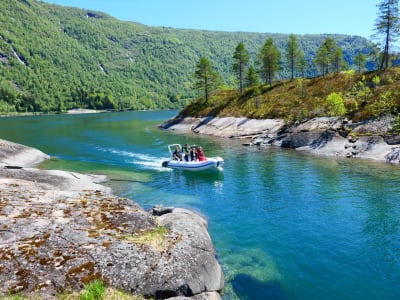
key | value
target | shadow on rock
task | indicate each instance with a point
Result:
(247, 287)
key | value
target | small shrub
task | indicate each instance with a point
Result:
(336, 104)
(396, 124)
(351, 105)
(349, 74)
(384, 106)
(93, 291)
(376, 80)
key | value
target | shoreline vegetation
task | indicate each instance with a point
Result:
(344, 114)
(62, 232)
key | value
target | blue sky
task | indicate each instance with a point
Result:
(354, 17)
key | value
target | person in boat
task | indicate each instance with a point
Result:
(176, 155)
(193, 154)
(186, 151)
(200, 154)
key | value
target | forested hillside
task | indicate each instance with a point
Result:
(54, 58)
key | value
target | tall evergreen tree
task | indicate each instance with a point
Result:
(241, 59)
(207, 79)
(252, 77)
(360, 60)
(337, 59)
(292, 54)
(328, 54)
(387, 26)
(269, 57)
(302, 64)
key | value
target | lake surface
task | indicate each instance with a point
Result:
(285, 225)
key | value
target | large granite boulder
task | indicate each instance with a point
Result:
(315, 133)
(12, 154)
(53, 240)
(61, 230)
(230, 127)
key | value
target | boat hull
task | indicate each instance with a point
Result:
(209, 164)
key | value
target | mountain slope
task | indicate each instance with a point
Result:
(54, 58)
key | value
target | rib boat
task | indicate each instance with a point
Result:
(210, 163)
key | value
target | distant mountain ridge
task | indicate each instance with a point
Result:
(54, 58)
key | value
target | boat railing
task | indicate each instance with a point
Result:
(171, 149)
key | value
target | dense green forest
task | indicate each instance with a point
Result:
(54, 58)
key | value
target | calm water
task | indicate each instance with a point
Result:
(285, 225)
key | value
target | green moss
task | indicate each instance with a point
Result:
(156, 238)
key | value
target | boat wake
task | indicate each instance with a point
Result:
(141, 160)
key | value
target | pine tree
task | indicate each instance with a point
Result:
(293, 54)
(252, 77)
(360, 60)
(206, 78)
(328, 54)
(337, 59)
(387, 26)
(241, 59)
(302, 64)
(269, 57)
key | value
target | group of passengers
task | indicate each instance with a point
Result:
(188, 153)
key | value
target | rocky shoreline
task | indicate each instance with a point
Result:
(325, 136)
(61, 230)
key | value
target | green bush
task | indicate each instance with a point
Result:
(93, 291)
(335, 104)
(396, 124)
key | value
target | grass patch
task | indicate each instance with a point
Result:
(155, 238)
(93, 291)
(109, 294)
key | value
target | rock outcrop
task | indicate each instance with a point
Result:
(229, 127)
(327, 136)
(60, 230)
(12, 154)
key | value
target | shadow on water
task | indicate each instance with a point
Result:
(247, 287)
(199, 176)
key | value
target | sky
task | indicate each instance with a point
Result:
(353, 17)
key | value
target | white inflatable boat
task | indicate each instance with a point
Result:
(191, 165)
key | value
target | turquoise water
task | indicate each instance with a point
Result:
(285, 225)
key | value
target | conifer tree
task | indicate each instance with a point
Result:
(241, 59)
(206, 78)
(360, 60)
(302, 64)
(337, 59)
(292, 54)
(269, 57)
(328, 54)
(387, 26)
(252, 77)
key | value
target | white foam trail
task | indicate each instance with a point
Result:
(144, 160)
